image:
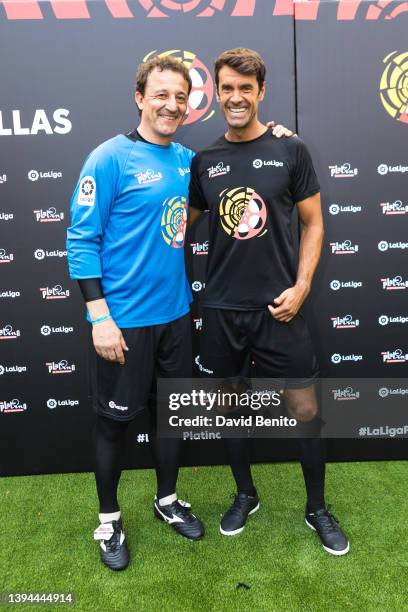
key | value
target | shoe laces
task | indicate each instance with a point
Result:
(182, 511)
(114, 542)
(329, 521)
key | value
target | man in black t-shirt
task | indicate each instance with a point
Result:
(250, 182)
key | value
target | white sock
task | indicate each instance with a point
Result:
(165, 501)
(108, 517)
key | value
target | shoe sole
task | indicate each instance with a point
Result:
(237, 531)
(336, 553)
(161, 517)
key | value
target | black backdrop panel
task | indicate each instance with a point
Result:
(67, 85)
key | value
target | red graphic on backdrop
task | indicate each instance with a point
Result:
(305, 10)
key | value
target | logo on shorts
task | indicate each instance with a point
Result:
(117, 407)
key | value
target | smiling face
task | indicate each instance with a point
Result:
(239, 96)
(163, 105)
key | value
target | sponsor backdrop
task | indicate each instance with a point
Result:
(74, 89)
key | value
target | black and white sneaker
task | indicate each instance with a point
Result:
(113, 548)
(179, 516)
(332, 537)
(233, 521)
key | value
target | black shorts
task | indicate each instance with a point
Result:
(232, 339)
(122, 391)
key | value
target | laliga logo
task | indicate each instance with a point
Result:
(394, 87)
(202, 92)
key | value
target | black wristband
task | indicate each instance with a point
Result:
(91, 289)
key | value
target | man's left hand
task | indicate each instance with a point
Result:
(279, 130)
(289, 303)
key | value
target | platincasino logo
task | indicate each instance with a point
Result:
(54, 293)
(198, 324)
(345, 394)
(48, 216)
(14, 405)
(3, 178)
(395, 356)
(218, 170)
(346, 322)
(40, 124)
(343, 171)
(394, 208)
(8, 333)
(199, 248)
(202, 92)
(6, 257)
(394, 85)
(344, 10)
(60, 367)
(394, 284)
(344, 248)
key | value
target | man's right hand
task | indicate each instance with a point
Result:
(109, 342)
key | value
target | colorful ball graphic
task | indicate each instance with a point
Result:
(174, 220)
(202, 92)
(243, 213)
(394, 86)
(163, 8)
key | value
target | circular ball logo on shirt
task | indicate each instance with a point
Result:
(242, 213)
(88, 186)
(202, 92)
(166, 8)
(174, 220)
(394, 85)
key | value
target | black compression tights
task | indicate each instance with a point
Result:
(109, 440)
(312, 459)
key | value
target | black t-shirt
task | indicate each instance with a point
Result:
(250, 189)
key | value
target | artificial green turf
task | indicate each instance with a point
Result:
(46, 544)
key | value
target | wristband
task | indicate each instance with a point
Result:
(100, 319)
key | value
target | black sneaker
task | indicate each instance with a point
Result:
(333, 539)
(179, 516)
(113, 548)
(233, 521)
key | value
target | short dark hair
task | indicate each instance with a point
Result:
(244, 61)
(161, 62)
